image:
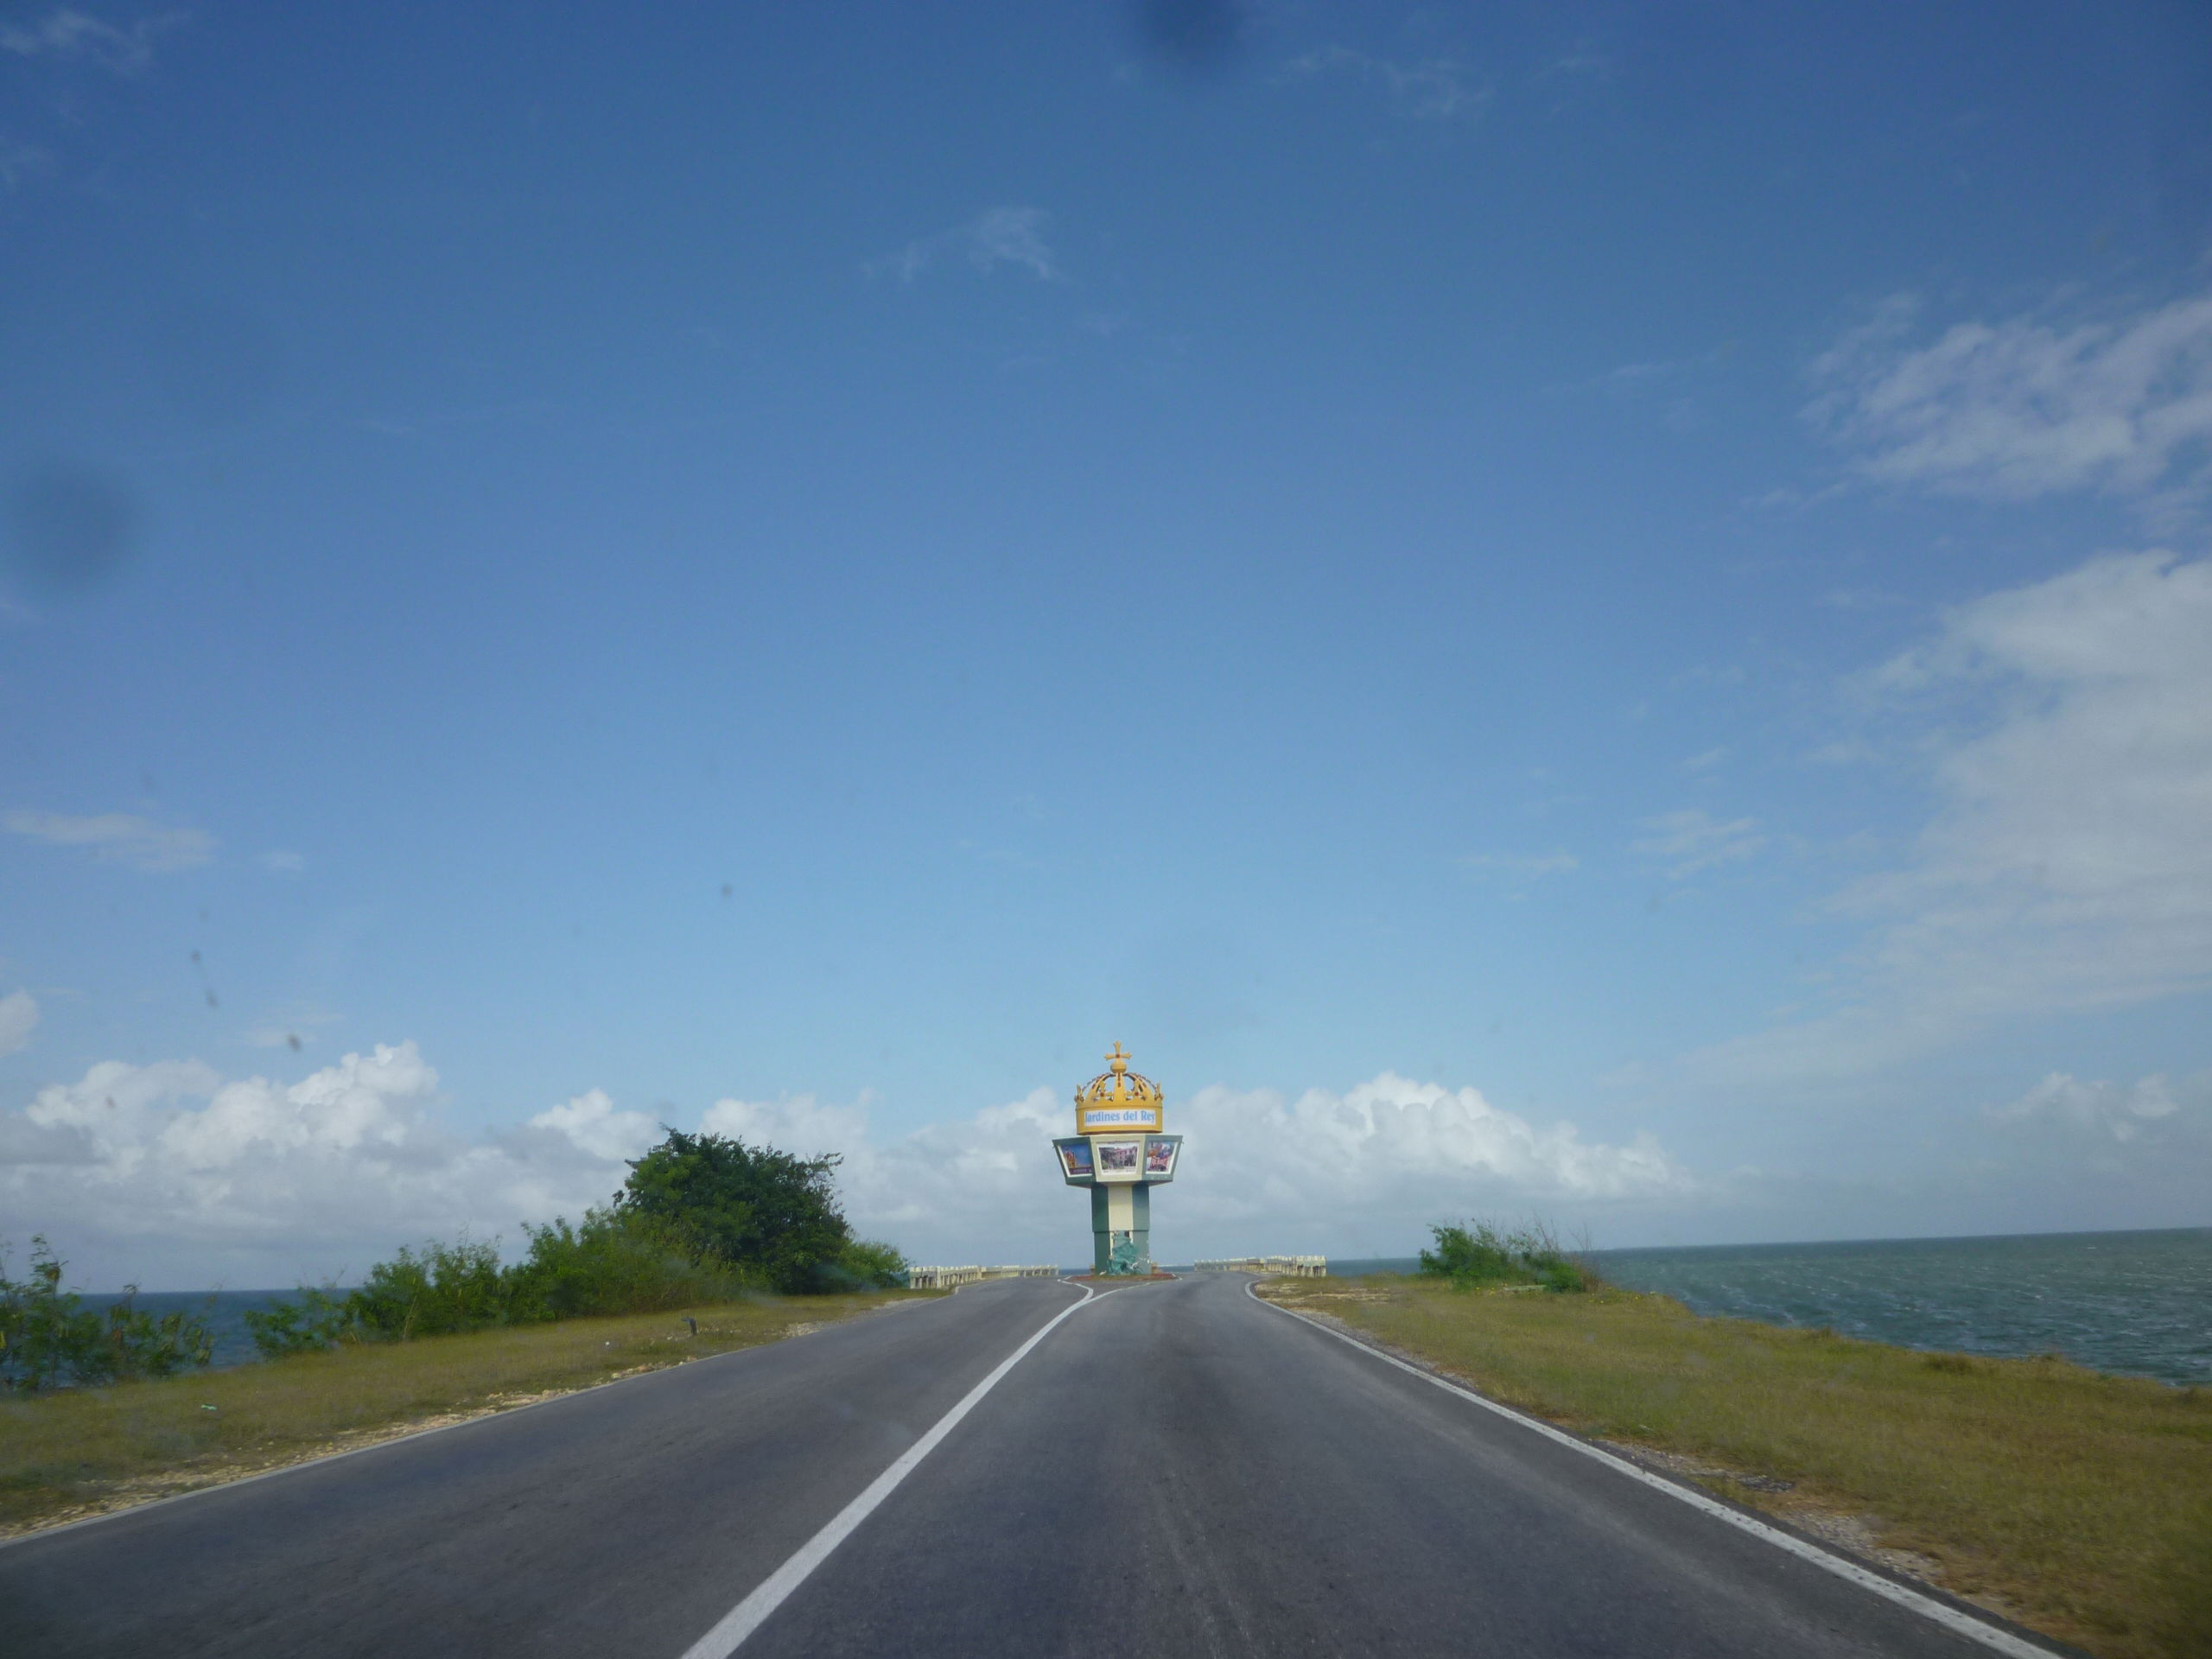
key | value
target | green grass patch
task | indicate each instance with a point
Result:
(80, 1451)
(2077, 1503)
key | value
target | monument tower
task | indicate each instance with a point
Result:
(1120, 1152)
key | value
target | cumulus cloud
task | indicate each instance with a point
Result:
(2150, 1136)
(1435, 89)
(591, 1123)
(69, 32)
(170, 1170)
(18, 1019)
(1694, 840)
(173, 1174)
(1260, 1171)
(2018, 409)
(117, 837)
(2105, 1109)
(2066, 727)
(998, 236)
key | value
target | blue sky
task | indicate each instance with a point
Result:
(1441, 573)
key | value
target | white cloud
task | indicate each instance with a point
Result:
(591, 1122)
(280, 862)
(2077, 820)
(1436, 89)
(1696, 841)
(998, 236)
(1259, 1172)
(2103, 1109)
(2019, 409)
(173, 1175)
(69, 32)
(18, 1019)
(117, 837)
(2066, 727)
(169, 1172)
(2153, 1137)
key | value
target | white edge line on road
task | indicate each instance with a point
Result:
(281, 1469)
(730, 1629)
(1927, 1606)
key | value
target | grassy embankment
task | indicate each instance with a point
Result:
(81, 1451)
(2078, 1503)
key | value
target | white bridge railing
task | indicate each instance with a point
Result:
(1298, 1266)
(953, 1277)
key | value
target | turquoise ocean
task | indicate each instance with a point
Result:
(2136, 1303)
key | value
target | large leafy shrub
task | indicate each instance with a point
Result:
(753, 1208)
(702, 1218)
(437, 1291)
(616, 1263)
(318, 1320)
(49, 1338)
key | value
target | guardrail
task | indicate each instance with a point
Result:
(1298, 1266)
(953, 1277)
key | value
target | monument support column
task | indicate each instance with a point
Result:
(1123, 1210)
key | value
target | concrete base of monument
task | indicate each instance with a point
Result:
(1116, 1277)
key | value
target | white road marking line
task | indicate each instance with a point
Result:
(1927, 1606)
(748, 1616)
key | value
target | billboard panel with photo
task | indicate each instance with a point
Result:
(1120, 1160)
(1075, 1157)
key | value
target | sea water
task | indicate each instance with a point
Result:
(2136, 1303)
(223, 1312)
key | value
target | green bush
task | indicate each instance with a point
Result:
(615, 1264)
(702, 1218)
(446, 1288)
(865, 1264)
(49, 1338)
(755, 1208)
(320, 1320)
(1475, 1254)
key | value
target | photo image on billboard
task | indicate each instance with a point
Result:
(1075, 1159)
(1118, 1160)
(1159, 1157)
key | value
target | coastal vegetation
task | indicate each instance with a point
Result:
(74, 1451)
(1477, 1255)
(49, 1338)
(2077, 1502)
(702, 1218)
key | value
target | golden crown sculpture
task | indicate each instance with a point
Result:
(1118, 1087)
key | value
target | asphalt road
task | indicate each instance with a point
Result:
(1172, 1470)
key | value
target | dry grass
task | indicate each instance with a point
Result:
(82, 1452)
(2078, 1504)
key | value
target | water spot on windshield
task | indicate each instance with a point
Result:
(70, 527)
